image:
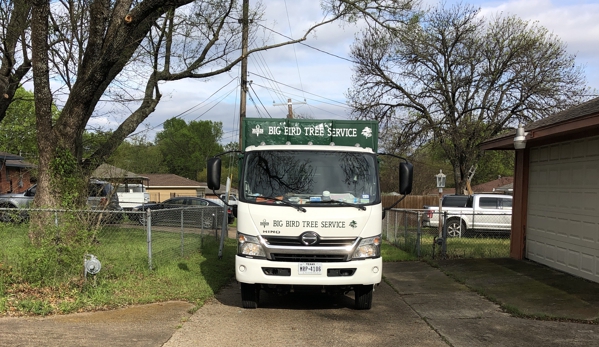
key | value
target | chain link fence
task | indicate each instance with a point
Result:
(449, 235)
(131, 239)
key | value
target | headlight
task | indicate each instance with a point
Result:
(249, 246)
(369, 248)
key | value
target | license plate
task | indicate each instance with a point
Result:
(310, 268)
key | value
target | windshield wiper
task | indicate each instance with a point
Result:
(285, 202)
(344, 203)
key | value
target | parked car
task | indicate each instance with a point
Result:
(101, 196)
(478, 212)
(192, 215)
(232, 198)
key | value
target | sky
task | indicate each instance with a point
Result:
(317, 75)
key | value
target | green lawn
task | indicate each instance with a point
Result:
(477, 246)
(32, 283)
(124, 279)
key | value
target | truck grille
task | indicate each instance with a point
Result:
(308, 258)
(295, 241)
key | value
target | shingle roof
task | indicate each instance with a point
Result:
(106, 171)
(575, 119)
(171, 180)
(590, 107)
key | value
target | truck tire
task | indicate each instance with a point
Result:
(456, 227)
(363, 296)
(250, 295)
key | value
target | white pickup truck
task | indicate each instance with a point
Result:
(477, 212)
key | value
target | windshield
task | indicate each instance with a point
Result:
(310, 177)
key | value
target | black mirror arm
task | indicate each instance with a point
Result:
(395, 156)
(397, 202)
(221, 199)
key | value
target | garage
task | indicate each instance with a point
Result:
(563, 207)
(555, 213)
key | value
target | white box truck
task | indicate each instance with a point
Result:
(309, 212)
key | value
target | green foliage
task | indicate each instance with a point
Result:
(68, 182)
(17, 129)
(92, 140)
(140, 156)
(186, 147)
(49, 280)
(494, 164)
(50, 263)
(391, 253)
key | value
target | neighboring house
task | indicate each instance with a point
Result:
(556, 191)
(487, 187)
(165, 186)
(115, 175)
(15, 173)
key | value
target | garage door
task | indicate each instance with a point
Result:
(563, 207)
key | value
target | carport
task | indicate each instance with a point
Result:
(556, 191)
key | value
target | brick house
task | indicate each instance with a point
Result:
(15, 173)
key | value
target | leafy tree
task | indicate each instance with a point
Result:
(455, 79)
(16, 59)
(123, 51)
(140, 156)
(186, 147)
(492, 165)
(17, 131)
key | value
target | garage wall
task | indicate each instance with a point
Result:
(563, 207)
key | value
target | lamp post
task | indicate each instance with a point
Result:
(440, 184)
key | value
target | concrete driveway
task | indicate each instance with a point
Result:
(417, 305)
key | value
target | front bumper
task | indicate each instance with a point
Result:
(367, 271)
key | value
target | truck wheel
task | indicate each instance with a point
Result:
(250, 295)
(363, 296)
(456, 228)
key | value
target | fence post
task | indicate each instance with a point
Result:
(405, 228)
(202, 228)
(182, 222)
(395, 228)
(149, 233)
(418, 233)
(444, 247)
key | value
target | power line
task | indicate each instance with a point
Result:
(188, 110)
(336, 104)
(257, 97)
(307, 45)
(286, 85)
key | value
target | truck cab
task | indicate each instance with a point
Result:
(308, 215)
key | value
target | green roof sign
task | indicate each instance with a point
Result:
(301, 131)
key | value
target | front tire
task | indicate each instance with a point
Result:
(456, 228)
(363, 296)
(250, 295)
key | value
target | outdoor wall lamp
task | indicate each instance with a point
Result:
(440, 180)
(520, 139)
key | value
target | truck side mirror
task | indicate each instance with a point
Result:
(406, 173)
(213, 172)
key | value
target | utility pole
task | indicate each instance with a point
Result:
(244, 65)
(289, 107)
